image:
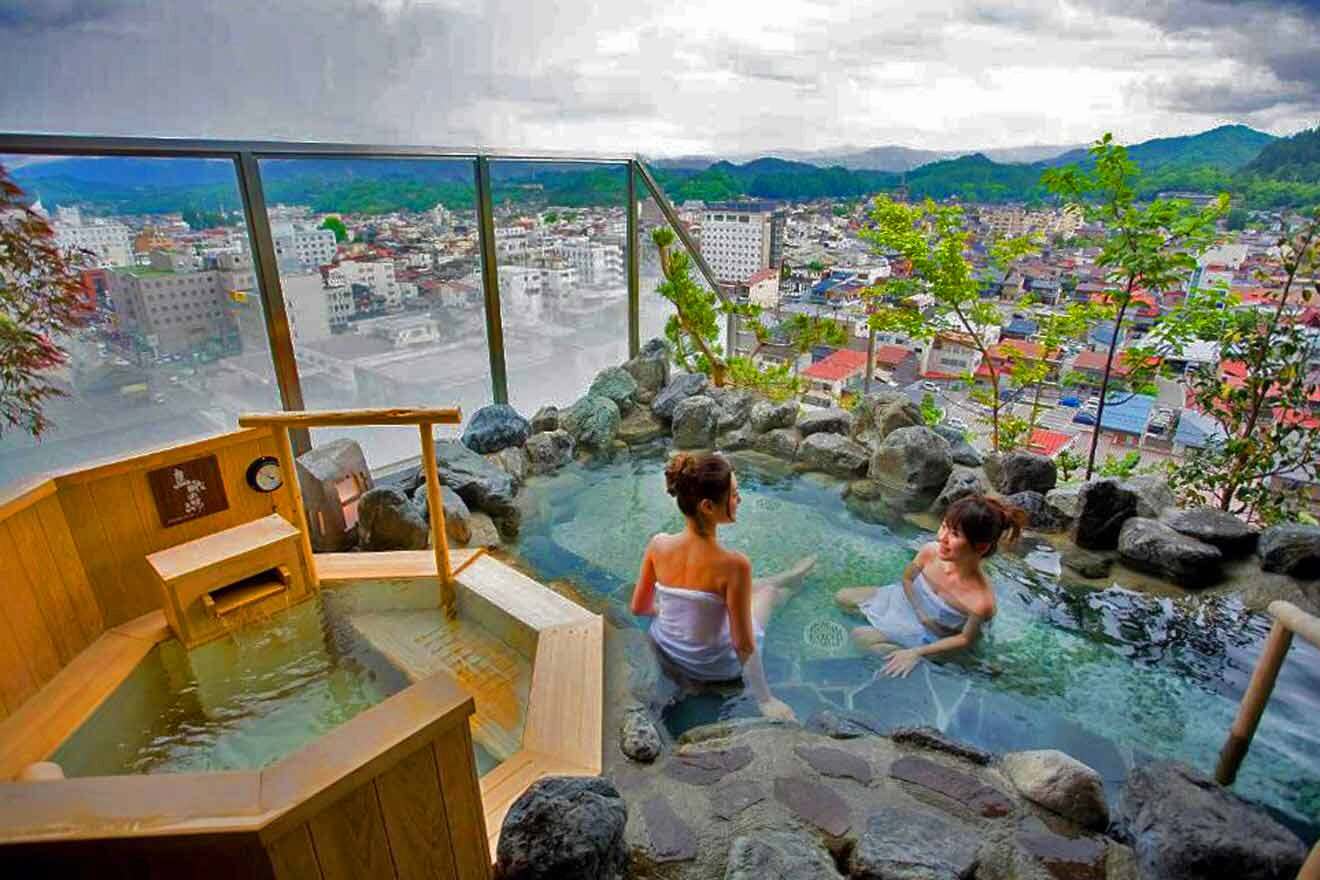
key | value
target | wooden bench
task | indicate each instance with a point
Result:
(210, 583)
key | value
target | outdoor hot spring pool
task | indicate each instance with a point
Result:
(1113, 677)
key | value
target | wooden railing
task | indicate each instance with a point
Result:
(425, 420)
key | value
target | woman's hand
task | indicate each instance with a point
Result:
(777, 709)
(900, 663)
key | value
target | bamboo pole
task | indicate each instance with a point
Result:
(289, 467)
(1253, 703)
(439, 540)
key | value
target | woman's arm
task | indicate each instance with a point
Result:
(738, 599)
(910, 572)
(643, 597)
(901, 662)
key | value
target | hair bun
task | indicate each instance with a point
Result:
(681, 467)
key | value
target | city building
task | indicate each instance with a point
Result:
(597, 263)
(827, 378)
(376, 275)
(762, 288)
(951, 356)
(171, 309)
(896, 365)
(109, 241)
(308, 246)
(740, 238)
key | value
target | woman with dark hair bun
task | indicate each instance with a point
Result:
(710, 615)
(944, 598)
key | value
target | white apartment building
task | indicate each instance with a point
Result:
(109, 241)
(510, 241)
(763, 288)
(308, 246)
(177, 312)
(378, 275)
(312, 307)
(740, 238)
(598, 264)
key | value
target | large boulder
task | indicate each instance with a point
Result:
(735, 440)
(781, 443)
(779, 855)
(513, 461)
(680, 387)
(694, 422)
(913, 464)
(545, 419)
(592, 422)
(564, 826)
(901, 843)
(548, 451)
(387, 520)
(880, 413)
(1185, 827)
(638, 738)
(1219, 528)
(1102, 508)
(640, 426)
(825, 421)
(962, 482)
(650, 369)
(1015, 472)
(1087, 563)
(618, 385)
(481, 485)
(1150, 545)
(1066, 501)
(458, 519)
(965, 454)
(1153, 494)
(1059, 783)
(495, 427)
(1040, 516)
(735, 410)
(767, 416)
(1292, 549)
(834, 454)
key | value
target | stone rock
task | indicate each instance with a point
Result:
(1035, 852)
(825, 421)
(1292, 549)
(638, 738)
(961, 787)
(564, 826)
(767, 416)
(868, 500)
(483, 531)
(1060, 783)
(640, 426)
(618, 385)
(1184, 826)
(836, 763)
(1086, 563)
(1015, 472)
(735, 410)
(779, 855)
(680, 387)
(880, 413)
(1152, 546)
(458, 519)
(814, 803)
(513, 461)
(387, 520)
(495, 427)
(729, 800)
(549, 451)
(842, 725)
(913, 465)
(592, 422)
(733, 441)
(906, 844)
(932, 739)
(1040, 516)
(962, 482)
(546, 419)
(964, 454)
(694, 422)
(1219, 528)
(671, 839)
(708, 766)
(650, 369)
(781, 443)
(1153, 495)
(834, 454)
(1103, 507)
(1066, 500)
(481, 485)
(953, 435)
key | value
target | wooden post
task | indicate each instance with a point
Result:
(1311, 870)
(1253, 703)
(439, 540)
(289, 468)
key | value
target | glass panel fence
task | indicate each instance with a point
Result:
(172, 340)
(381, 276)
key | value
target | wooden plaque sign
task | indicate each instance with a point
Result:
(188, 490)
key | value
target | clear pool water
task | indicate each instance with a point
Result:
(249, 699)
(1113, 677)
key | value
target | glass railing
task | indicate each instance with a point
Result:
(234, 276)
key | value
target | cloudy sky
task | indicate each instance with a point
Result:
(664, 78)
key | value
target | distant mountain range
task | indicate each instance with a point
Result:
(886, 158)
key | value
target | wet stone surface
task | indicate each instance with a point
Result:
(708, 767)
(730, 800)
(930, 738)
(965, 789)
(671, 838)
(814, 803)
(907, 844)
(837, 763)
(1067, 858)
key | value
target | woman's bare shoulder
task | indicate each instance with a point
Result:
(982, 600)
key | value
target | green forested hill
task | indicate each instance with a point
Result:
(1296, 158)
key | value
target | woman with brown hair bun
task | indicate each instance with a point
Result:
(711, 626)
(944, 598)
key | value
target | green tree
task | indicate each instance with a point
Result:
(336, 225)
(1147, 247)
(1264, 414)
(930, 413)
(1120, 467)
(1029, 370)
(1236, 219)
(550, 218)
(1068, 463)
(40, 303)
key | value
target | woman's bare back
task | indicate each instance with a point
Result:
(682, 561)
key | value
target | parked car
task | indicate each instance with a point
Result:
(930, 386)
(1084, 418)
(956, 423)
(1073, 402)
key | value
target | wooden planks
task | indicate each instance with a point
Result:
(386, 565)
(338, 418)
(415, 818)
(293, 857)
(564, 710)
(467, 822)
(520, 596)
(349, 838)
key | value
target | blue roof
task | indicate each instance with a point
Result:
(1127, 413)
(1195, 429)
(1103, 332)
(1021, 326)
(821, 286)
